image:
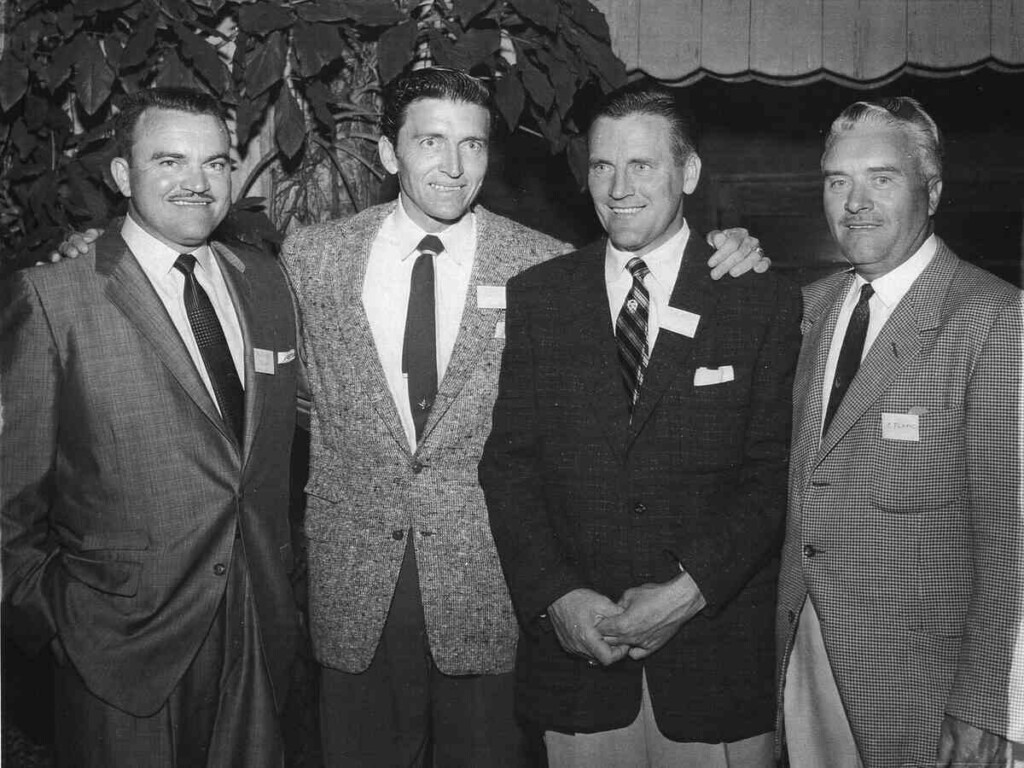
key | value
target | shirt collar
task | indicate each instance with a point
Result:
(891, 287)
(458, 238)
(155, 254)
(663, 261)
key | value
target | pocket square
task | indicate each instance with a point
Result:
(704, 377)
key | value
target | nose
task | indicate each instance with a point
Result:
(859, 199)
(451, 162)
(621, 185)
(195, 179)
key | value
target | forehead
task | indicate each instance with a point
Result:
(445, 116)
(159, 127)
(870, 146)
(636, 135)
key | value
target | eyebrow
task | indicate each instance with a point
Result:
(181, 156)
(873, 169)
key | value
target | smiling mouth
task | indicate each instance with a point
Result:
(447, 188)
(625, 211)
(191, 202)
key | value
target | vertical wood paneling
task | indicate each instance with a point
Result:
(785, 36)
(670, 35)
(864, 39)
(1008, 31)
(725, 37)
(624, 23)
(948, 33)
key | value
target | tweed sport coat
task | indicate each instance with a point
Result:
(367, 489)
(581, 497)
(120, 488)
(913, 551)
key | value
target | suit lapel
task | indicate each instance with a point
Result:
(233, 270)
(130, 291)
(596, 353)
(895, 347)
(693, 292)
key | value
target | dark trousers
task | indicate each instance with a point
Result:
(402, 709)
(220, 715)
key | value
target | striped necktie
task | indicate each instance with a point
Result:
(631, 331)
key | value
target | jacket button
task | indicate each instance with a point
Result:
(809, 550)
(418, 466)
(397, 535)
(220, 569)
(639, 508)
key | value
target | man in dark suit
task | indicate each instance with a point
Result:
(901, 604)
(148, 395)
(635, 472)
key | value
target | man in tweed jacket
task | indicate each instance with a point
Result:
(410, 616)
(903, 568)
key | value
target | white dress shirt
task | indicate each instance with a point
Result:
(663, 263)
(386, 296)
(157, 262)
(890, 289)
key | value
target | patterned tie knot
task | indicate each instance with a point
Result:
(866, 292)
(638, 268)
(431, 244)
(185, 263)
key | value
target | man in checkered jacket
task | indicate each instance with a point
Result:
(902, 584)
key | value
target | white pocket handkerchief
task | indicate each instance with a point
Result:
(704, 377)
(285, 357)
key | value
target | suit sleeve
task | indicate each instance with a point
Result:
(30, 375)
(510, 476)
(988, 689)
(744, 531)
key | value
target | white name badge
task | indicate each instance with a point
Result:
(285, 357)
(263, 360)
(901, 426)
(499, 330)
(490, 297)
(680, 321)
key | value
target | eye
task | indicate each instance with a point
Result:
(835, 184)
(474, 145)
(599, 167)
(642, 166)
(218, 165)
(883, 181)
(429, 142)
(168, 162)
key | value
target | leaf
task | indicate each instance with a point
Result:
(467, 10)
(13, 80)
(93, 77)
(564, 83)
(578, 156)
(263, 17)
(316, 45)
(476, 46)
(590, 19)
(264, 66)
(601, 61)
(204, 58)
(140, 46)
(543, 13)
(369, 13)
(249, 116)
(175, 73)
(395, 49)
(537, 85)
(509, 96)
(289, 126)
(319, 98)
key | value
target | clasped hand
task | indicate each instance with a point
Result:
(591, 626)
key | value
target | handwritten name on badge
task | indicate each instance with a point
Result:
(901, 426)
(264, 360)
(490, 297)
(680, 321)
(285, 357)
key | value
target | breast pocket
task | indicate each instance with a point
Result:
(918, 475)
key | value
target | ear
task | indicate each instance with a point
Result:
(388, 158)
(934, 194)
(691, 173)
(119, 170)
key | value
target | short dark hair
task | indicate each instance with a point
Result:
(429, 83)
(644, 98)
(902, 113)
(178, 99)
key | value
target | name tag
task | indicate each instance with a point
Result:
(285, 357)
(263, 360)
(490, 296)
(499, 330)
(901, 426)
(680, 321)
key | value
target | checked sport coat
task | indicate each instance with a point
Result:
(913, 549)
(366, 489)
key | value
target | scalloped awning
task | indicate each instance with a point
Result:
(863, 43)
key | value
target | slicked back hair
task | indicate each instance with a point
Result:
(429, 83)
(649, 99)
(902, 113)
(178, 99)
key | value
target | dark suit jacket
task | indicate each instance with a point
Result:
(579, 497)
(120, 489)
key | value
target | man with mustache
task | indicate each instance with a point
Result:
(148, 395)
(902, 582)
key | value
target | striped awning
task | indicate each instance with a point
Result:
(862, 43)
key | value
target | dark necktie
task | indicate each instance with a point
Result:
(631, 331)
(850, 354)
(213, 347)
(419, 352)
